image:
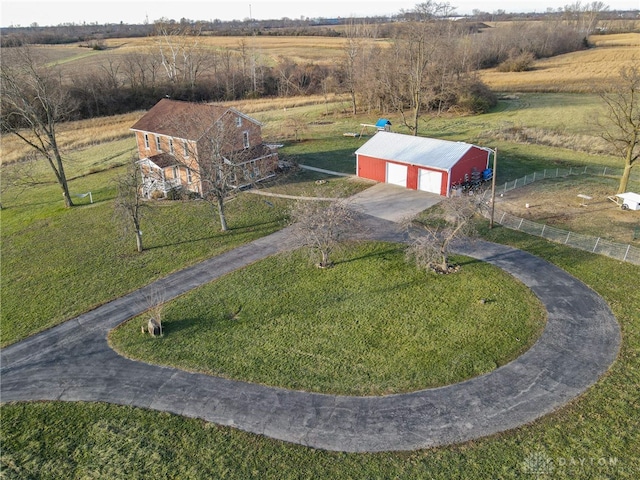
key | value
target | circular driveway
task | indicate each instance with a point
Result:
(73, 362)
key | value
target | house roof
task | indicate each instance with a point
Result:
(171, 118)
(422, 151)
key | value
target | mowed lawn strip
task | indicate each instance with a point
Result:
(371, 325)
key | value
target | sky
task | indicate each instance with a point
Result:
(52, 12)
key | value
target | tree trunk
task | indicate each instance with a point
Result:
(324, 263)
(221, 214)
(624, 181)
(59, 169)
(139, 241)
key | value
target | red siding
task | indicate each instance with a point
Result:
(474, 158)
(412, 177)
(444, 186)
(375, 169)
(372, 168)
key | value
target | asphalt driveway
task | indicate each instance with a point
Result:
(74, 362)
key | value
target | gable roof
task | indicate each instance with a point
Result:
(422, 151)
(170, 117)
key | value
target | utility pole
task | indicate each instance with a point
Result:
(493, 186)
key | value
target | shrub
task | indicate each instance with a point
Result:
(520, 62)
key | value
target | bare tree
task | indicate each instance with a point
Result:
(352, 50)
(621, 126)
(408, 76)
(322, 226)
(583, 17)
(219, 159)
(432, 236)
(34, 102)
(182, 57)
(128, 205)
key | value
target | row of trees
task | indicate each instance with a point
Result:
(428, 68)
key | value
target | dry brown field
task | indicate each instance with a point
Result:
(583, 72)
(269, 50)
(555, 202)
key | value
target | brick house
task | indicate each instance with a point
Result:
(180, 143)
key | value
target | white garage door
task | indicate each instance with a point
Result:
(397, 174)
(430, 181)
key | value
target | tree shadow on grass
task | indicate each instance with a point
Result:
(255, 227)
(382, 255)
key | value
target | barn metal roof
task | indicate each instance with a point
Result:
(427, 152)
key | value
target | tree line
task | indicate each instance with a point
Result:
(376, 75)
(427, 67)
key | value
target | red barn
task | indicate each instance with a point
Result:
(419, 163)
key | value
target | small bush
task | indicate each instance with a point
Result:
(476, 97)
(521, 62)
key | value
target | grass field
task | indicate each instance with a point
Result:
(595, 436)
(585, 71)
(71, 259)
(555, 202)
(380, 326)
(32, 216)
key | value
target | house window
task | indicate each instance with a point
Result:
(146, 141)
(185, 149)
(238, 121)
(245, 139)
(189, 176)
(176, 172)
(158, 143)
(171, 151)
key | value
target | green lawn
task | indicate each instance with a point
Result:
(595, 436)
(371, 325)
(72, 259)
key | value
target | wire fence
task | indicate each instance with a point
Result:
(564, 172)
(626, 253)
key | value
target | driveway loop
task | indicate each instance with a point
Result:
(73, 362)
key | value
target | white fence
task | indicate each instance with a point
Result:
(564, 172)
(626, 253)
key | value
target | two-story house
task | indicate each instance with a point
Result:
(181, 144)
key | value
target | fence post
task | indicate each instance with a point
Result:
(605, 171)
(567, 239)
(557, 172)
(544, 174)
(595, 246)
(521, 220)
(626, 253)
(544, 225)
(503, 215)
